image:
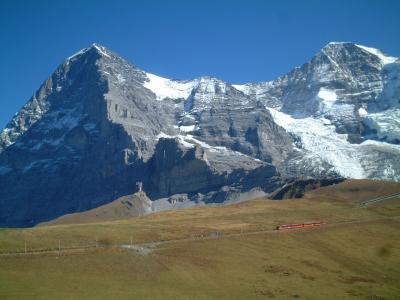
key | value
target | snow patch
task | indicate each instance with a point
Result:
(120, 78)
(241, 87)
(167, 88)
(5, 131)
(362, 112)
(82, 51)
(384, 58)
(204, 144)
(101, 50)
(164, 135)
(188, 128)
(184, 142)
(328, 96)
(181, 139)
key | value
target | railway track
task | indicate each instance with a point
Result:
(380, 199)
(146, 248)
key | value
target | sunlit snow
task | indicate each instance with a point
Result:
(321, 140)
(188, 128)
(386, 124)
(328, 96)
(167, 88)
(101, 50)
(384, 58)
(78, 53)
(362, 112)
(242, 87)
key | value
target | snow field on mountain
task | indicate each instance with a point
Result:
(167, 88)
(319, 138)
(384, 58)
(328, 97)
(386, 123)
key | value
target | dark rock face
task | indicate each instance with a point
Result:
(225, 117)
(296, 188)
(70, 156)
(99, 125)
(180, 170)
(177, 170)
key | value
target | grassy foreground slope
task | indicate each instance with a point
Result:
(355, 256)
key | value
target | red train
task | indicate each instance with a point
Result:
(302, 225)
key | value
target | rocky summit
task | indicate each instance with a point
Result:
(100, 129)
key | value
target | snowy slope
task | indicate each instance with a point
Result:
(384, 58)
(344, 106)
(319, 140)
(167, 88)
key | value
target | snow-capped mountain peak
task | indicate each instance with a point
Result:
(94, 47)
(99, 124)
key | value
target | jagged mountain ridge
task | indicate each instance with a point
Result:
(345, 98)
(99, 124)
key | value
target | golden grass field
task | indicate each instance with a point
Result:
(354, 256)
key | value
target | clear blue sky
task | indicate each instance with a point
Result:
(238, 41)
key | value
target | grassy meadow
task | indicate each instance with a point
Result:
(354, 256)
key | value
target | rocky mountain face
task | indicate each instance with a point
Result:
(342, 107)
(297, 187)
(99, 125)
